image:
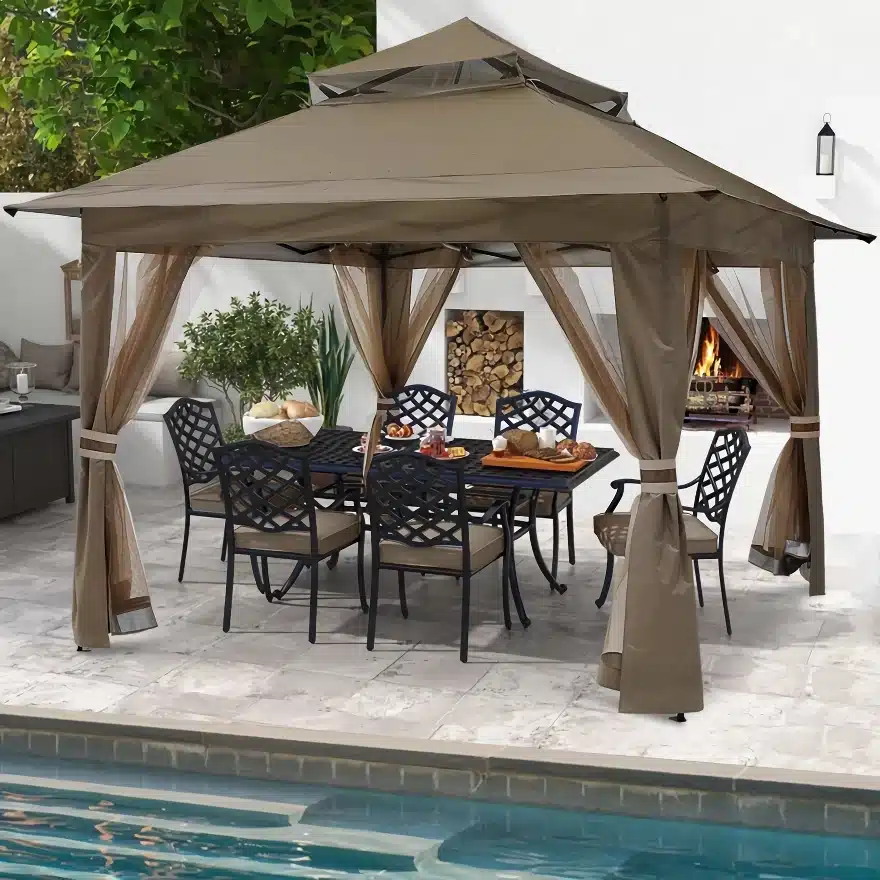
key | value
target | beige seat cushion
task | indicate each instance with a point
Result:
(545, 502)
(206, 498)
(612, 530)
(335, 531)
(487, 544)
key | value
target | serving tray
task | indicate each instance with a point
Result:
(524, 462)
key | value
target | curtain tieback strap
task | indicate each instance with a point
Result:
(804, 427)
(383, 404)
(658, 476)
(94, 444)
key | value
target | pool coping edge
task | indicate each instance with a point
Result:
(797, 800)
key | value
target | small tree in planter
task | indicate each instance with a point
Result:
(257, 348)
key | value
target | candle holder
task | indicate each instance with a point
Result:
(21, 379)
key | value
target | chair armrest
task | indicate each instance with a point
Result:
(618, 486)
(497, 508)
(693, 482)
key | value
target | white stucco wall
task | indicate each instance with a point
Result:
(744, 84)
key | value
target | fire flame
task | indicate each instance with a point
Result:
(709, 363)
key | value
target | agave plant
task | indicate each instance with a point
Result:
(335, 357)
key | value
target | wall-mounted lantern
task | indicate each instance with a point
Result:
(825, 148)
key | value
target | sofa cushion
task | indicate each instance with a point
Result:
(73, 381)
(169, 382)
(53, 362)
(7, 356)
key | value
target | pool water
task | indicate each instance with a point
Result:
(87, 821)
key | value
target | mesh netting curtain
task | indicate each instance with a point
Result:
(388, 326)
(638, 361)
(768, 317)
(110, 593)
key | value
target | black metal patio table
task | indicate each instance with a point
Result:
(332, 452)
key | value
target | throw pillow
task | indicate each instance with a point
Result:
(7, 356)
(73, 382)
(53, 363)
(169, 382)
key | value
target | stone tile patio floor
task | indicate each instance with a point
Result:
(798, 684)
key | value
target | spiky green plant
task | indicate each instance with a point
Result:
(335, 357)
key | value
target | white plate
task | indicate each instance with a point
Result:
(360, 449)
(449, 458)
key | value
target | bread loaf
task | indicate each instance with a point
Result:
(265, 409)
(298, 409)
(520, 442)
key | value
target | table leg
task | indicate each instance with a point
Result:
(291, 580)
(536, 549)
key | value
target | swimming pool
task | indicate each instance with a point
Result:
(82, 821)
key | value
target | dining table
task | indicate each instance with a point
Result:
(334, 451)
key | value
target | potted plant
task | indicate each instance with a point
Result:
(335, 357)
(257, 348)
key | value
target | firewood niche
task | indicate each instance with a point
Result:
(484, 358)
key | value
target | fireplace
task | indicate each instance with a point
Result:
(485, 358)
(722, 390)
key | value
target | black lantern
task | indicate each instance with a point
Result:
(825, 143)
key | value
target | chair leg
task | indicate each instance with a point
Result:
(554, 564)
(724, 595)
(266, 583)
(517, 597)
(606, 586)
(569, 530)
(183, 549)
(699, 582)
(223, 548)
(401, 589)
(505, 587)
(465, 616)
(230, 578)
(313, 604)
(331, 562)
(362, 590)
(374, 602)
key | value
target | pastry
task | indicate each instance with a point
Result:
(567, 445)
(521, 442)
(398, 432)
(456, 452)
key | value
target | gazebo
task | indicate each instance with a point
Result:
(459, 149)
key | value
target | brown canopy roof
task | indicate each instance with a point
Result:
(455, 136)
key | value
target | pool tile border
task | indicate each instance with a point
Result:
(749, 796)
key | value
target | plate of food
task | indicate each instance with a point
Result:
(452, 453)
(360, 450)
(399, 433)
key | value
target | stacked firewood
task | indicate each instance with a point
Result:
(484, 359)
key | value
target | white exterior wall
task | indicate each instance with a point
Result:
(744, 84)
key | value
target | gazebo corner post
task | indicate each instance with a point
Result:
(812, 457)
(90, 610)
(660, 667)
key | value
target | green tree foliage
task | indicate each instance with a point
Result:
(25, 165)
(254, 347)
(138, 79)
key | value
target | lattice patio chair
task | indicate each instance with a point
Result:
(714, 491)
(534, 410)
(423, 407)
(271, 513)
(195, 433)
(419, 522)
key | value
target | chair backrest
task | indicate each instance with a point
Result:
(721, 470)
(535, 410)
(266, 487)
(417, 500)
(424, 407)
(195, 433)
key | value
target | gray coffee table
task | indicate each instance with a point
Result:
(36, 457)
